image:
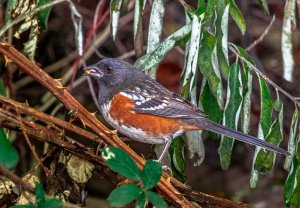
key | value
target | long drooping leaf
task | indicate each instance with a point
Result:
(208, 63)
(138, 12)
(177, 158)
(264, 160)
(195, 146)
(292, 185)
(231, 113)
(155, 30)
(264, 5)
(289, 22)
(237, 16)
(292, 138)
(153, 58)
(43, 15)
(115, 7)
(222, 12)
(247, 90)
(264, 125)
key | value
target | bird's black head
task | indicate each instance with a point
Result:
(110, 71)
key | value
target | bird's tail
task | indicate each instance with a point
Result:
(220, 129)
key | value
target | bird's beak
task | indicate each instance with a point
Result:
(92, 71)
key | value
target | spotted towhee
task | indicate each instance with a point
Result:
(142, 109)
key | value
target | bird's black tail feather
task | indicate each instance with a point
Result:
(220, 129)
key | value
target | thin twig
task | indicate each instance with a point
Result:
(32, 148)
(251, 66)
(263, 35)
(14, 178)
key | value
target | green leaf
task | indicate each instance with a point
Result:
(43, 14)
(231, 113)
(266, 105)
(222, 12)
(152, 59)
(138, 12)
(124, 195)
(8, 154)
(156, 200)
(192, 56)
(51, 203)
(2, 88)
(264, 160)
(10, 4)
(39, 193)
(237, 16)
(23, 206)
(289, 21)
(176, 151)
(210, 103)
(151, 174)
(247, 90)
(120, 162)
(208, 63)
(264, 5)
(141, 201)
(292, 138)
(115, 7)
(155, 30)
(292, 185)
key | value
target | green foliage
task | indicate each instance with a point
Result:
(41, 200)
(231, 112)
(121, 163)
(43, 15)
(8, 154)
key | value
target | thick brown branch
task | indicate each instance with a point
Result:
(54, 136)
(13, 55)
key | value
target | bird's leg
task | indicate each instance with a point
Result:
(165, 150)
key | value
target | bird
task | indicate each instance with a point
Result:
(139, 107)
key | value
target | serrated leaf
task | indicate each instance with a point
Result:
(231, 113)
(8, 154)
(156, 200)
(264, 5)
(176, 151)
(286, 39)
(151, 174)
(115, 7)
(43, 14)
(292, 185)
(152, 59)
(124, 195)
(292, 138)
(237, 16)
(155, 30)
(121, 163)
(208, 63)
